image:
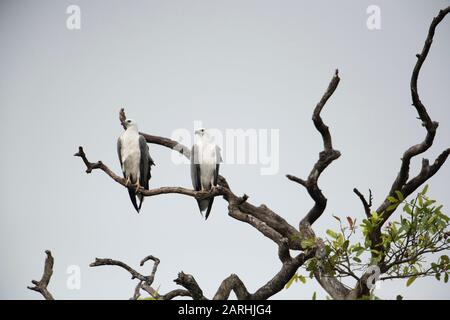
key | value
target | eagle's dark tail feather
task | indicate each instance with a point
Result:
(132, 194)
(205, 204)
(141, 199)
(209, 208)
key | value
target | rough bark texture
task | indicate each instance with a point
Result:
(41, 285)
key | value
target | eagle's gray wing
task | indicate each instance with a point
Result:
(196, 177)
(145, 164)
(216, 178)
(195, 169)
(119, 151)
(218, 161)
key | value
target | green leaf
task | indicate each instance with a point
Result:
(410, 281)
(407, 209)
(391, 207)
(308, 243)
(357, 259)
(391, 199)
(314, 297)
(345, 245)
(302, 279)
(429, 202)
(399, 195)
(332, 234)
(431, 219)
(446, 278)
(399, 297)
(424, 191)
(291, 281)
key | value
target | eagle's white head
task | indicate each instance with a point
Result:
(130, 123)
(203, 134)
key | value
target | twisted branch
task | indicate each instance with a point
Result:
(401, 183)
(366, 205)
(41, 285)
(145, 282)
(327, 156)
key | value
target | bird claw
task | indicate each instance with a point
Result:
(214, 188)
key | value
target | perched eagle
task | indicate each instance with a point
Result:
(205, 160)
(135, 160)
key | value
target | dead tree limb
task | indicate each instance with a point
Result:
(366, 205)
(41, 285)
(402, 182)
(327, 156)
(145, 282)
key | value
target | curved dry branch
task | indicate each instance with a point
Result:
(327, 156)
(366, 205)
(401, 183)
(431, 126)
(41, 285)
(262, 218)
(99, 165)
(278, 282)
(191, 285)
(111, 262)
(232, 283)
(145, 282)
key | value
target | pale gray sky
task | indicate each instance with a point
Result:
(231, 64)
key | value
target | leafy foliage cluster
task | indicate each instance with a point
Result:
(407, 246)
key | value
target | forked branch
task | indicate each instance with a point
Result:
(327, 156)
(402, 182)
(41, 285)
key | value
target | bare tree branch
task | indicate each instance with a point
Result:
(145, 282)
(327, 156)
(278, 282)
(90, 166)
(191, 285)
(232, 283)
(262, 213)
(401, 183)
(110, 262)
(41, 285)
(366, 204)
